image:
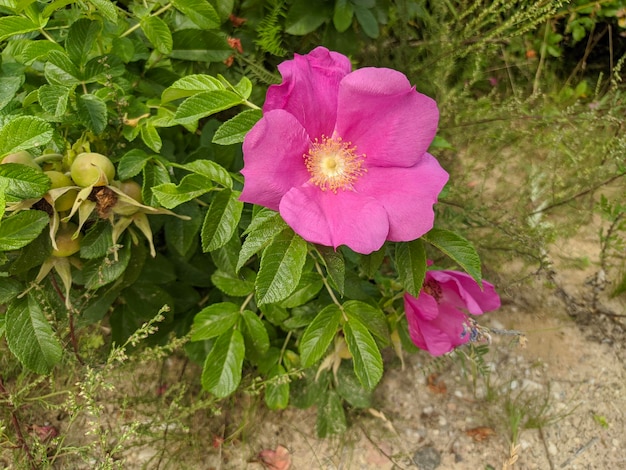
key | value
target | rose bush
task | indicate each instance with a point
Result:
(343, 155)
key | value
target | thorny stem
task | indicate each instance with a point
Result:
(330, 290)
(70, 319)
(18, 430)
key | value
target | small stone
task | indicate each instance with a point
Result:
(514, 384)
(427, 458)
(552, 450)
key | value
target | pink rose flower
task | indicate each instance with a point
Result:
(342, 155)
(437, 319)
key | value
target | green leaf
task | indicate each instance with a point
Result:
(9, 289)
(35, 50)
(411, 265)
(221, 373)
(370, 263)
(372, 317)
(24, 133)
(22, 182)
(281, 267)
(204, 104)
(151, 137)
(102, 271)
(368, 22)
(30, 336)
(335, 266)
(54, 98)
(310, 285)
(182, 234)
(331, 418)
(368, 363)
(221, 220)
(92, 112)
(257, 339)
(200, 46)
(9, 86)
(244, 88)
(12, 25)
(60, 70)
(319, 334)
(264, 231)
(211, 170)
(277, 388)
(200, 12)
(158, 33)
(107, 9)
(460, 250)
(234, 130)
(342, 18)
(350, 389)
(22, 228)
(81, 39)
(189, 86)
(153, 175)
(131, 164)
(214, 320)
(190, 187)
(232, 284)
(305, 17)
(97, 241)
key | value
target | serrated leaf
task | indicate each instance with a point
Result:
(182, 234)
(102, 271)
(24, 133)
(371, 317)
(54, 98)
(255, 333)
(457, 248)
(264, 229)
(81, 39)
(331, 417)
(411, 265)
(158, 33)
(200, 12)
(319, 334)
(9, 86)
(60, 70)
(221, 220)
(234, 130)
(342, 18)
(97, 241)
(131, 163)
(200, 46)
(190, 187)
(9, 289)
(211, 170)
(304, 18)
(153, 175)
(309, 286)
(214, 320)
(30, 337)
(189, 86)
(232, 284)
(107, 9)
(368, 22)
(350, 389)
(12, 25)
(281, 267)
(277, 388)
(35, 50)
(23, 182)
(22, 228)
(244, 88)
(370, 263)
(221, 373)
(368, 363)
(102, 69)
(335, 266)
(204, 104)
(92, 112)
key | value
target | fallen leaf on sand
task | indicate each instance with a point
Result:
(279, 459)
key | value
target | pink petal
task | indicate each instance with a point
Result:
(345, 218)
(309, 89)
(407, 194)
(273, 159)
(463, 291)
(380, 113)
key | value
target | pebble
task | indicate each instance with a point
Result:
(552, 450)
(427, 458)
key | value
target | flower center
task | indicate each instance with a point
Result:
(432, 287)
(334, 164)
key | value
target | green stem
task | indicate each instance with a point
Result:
(250, 105)
(47, 36)
(138, 25)
(330, 290)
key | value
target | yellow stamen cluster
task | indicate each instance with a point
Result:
(334, 164)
